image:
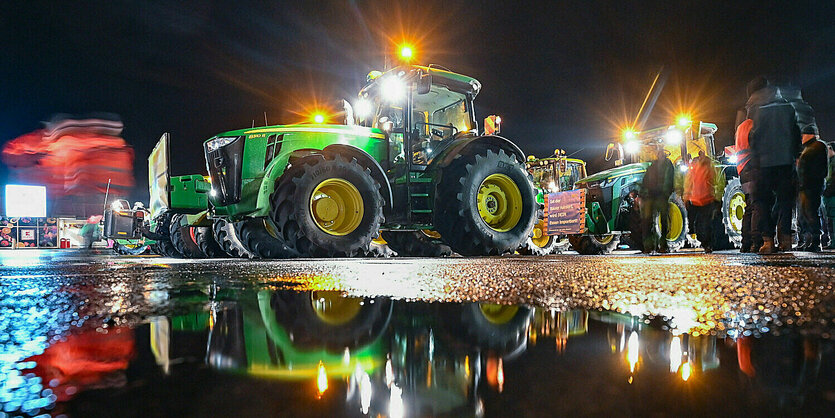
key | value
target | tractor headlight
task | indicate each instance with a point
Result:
(219, 142)
(393, 89)
(632, 147)
(673, 137)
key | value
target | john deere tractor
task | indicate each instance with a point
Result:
(611, 209)
(551, 175)
(411, 164)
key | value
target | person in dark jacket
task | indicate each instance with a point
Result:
(812, 167)
(829, 196)
(775, 142)
(656, 188)
(747, 169)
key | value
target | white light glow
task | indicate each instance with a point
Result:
(396, 402)
(733, 159)
(673, 137)
(393, 89)
(632, 351)
(363, 108)
(632, 147)
(213, 192)
(25, 201)
(675, 354)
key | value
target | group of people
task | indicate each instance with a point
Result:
(783, 166)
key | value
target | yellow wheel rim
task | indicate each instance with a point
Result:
(499, 202)
(603, 239)
(736, 210)
(498, 314)
(336, 206)
(540, 239)
(334, 309)
(430, 233)
(379, 240)
(676, 223)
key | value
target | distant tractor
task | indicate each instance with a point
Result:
(412, 164)
(611, 206)
(551, 175)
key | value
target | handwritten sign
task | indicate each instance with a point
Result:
(566, 212)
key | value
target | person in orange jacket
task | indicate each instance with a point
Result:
(700, 197)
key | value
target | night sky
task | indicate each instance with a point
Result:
(563, 74)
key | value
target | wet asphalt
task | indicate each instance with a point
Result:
(724, 293)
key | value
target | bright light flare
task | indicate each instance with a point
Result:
(632, 147)
(498, 120)
(684, 120)
(406, 53)
(322, 379)
(318, 118)
(393, 89)
(685, 371)
(673, 136)
(733, 159)
(629, 134)
(396, 402)
(632, 351)
(675, 354)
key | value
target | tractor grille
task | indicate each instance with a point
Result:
(224, 165)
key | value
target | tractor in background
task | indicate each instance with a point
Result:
(551, 175)
(611, 207)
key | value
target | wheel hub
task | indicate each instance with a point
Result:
(336, 206)
(736, 210)
(499, 202)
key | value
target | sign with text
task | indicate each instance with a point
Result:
(566, 212)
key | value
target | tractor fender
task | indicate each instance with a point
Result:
(457, 147)
(366, 160)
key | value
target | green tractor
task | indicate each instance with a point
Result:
(179, 220)
(411, 164)
(551, 175)
(124, 226)
(611, 211)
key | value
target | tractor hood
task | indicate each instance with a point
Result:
(614, 173)
(305, 127)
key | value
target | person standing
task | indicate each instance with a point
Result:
(747, 169)
(656, 188)
(829, 195)
(700, 195)
(812, 166)
(774, 141)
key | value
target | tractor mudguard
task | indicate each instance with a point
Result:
(278, 166)
(456, 147)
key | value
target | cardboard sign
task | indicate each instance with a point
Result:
(566, 212)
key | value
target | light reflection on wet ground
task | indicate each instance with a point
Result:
(90, 336)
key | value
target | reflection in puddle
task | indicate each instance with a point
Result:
(250, 352)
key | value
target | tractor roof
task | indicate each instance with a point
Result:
(440, 76)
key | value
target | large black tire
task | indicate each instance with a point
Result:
(594, 244)
(681, 238)
(129, 250)
(732, 211)
(206, 241)
(183, 239)
(556, 244)
(259, 236)
(292, 215)
(164, 246)
(457, 216)
(301, 316)
(416, 244)
(227, 236)
(636, 236)
(501, 329)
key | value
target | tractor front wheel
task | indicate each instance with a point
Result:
(594, 244)
(325, 206)
(204, 236)
(183, 238)
(733, 209)
(227, 236)
(486, 204)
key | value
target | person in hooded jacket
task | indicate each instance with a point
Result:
(812, 167)
(656, 189)
(774, 141)
(829, 195)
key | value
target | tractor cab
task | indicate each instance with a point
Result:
(422, 109)
(557, 173)
(682, 142)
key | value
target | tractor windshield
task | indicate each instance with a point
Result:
(437, 115)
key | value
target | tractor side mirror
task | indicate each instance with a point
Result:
(424, 83)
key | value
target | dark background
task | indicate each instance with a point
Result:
(565, 74)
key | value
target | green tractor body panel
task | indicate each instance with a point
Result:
(189, 194)
(605, 193)
(266, 152)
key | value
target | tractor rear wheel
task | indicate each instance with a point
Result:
(733, 208)
(183, 238)
(206, 241)
(227, 236)
(677, 234)
(540, 243)
(259, 236)
(424, 243)
(325, 206)
(594, 244)
(486, 204)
